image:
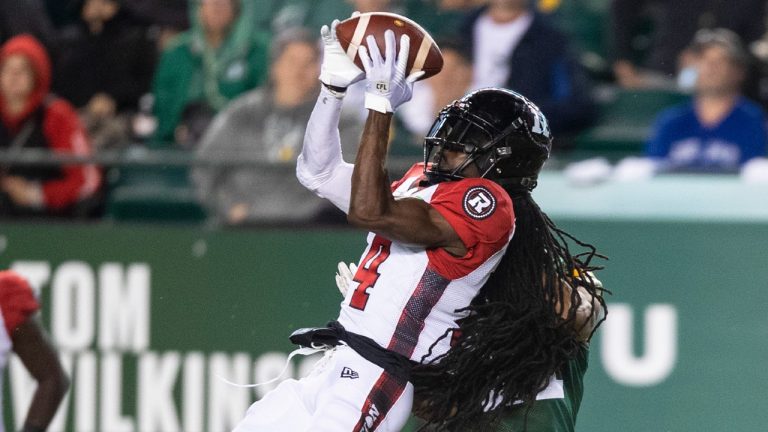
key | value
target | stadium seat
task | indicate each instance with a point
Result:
(586, 22)
(153, 193)
(624, 123)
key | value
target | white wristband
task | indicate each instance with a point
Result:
(378, 103)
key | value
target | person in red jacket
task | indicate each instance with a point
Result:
(32, 118)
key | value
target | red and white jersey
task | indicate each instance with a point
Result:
(405, 297)
(17, 303)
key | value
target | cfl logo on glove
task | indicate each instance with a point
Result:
(479, 203)
(382, 87)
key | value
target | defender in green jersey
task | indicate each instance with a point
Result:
(556, 408)
(556, 414)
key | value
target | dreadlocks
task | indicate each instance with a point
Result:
(517, 332)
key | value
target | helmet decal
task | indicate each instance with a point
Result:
(540, 125)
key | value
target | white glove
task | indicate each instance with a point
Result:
(386, 86)
(755, 171)
(631, 169)
(588, 302)
(337, 69)
(588, 172)
(344, 276)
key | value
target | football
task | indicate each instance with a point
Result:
(424, 54)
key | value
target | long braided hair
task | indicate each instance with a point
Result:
(517, 332)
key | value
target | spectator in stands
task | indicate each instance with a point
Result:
(430, 96)
(316, 13)
(221, 57)
(62, 12)
(23, 334)
(166, 13)
(266, 126)
(442, 18)
(32, 118)
(195, 119)
(164, 19)
(105, 65)
(674, 23)
(719, 130)
(25, 16)
(515, 47)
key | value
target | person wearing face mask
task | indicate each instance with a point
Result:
(720, 129)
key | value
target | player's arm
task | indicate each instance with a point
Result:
(31, 344)
(372, 205)
(320, 166)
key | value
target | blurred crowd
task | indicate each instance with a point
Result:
(231, 83)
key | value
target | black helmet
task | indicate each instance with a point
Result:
(503, 134)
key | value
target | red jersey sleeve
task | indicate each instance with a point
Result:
(481, 213)
(17, 301)
(66, 135)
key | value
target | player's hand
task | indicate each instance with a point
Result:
(590, 310)
(344, 276)
(387, 87)
(337, 69)
(595, 281)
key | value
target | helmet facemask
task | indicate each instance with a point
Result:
(457, 129)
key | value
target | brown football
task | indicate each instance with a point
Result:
(424, 54)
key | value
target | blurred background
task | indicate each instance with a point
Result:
(148, 192)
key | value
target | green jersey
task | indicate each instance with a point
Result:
(556, 407)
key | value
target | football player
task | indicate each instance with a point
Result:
(23, 334)
(435, 238)
(557, 405)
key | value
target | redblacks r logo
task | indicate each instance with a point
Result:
(479, 203)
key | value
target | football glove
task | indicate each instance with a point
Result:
(344, 276)
(337, 70)
(386, 84)
(588, 302)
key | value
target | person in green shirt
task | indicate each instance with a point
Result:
(222, 56)
(556, 407)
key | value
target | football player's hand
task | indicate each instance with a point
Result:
(337, 69)
(589, 311)
(386, 86)
(344, 276)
